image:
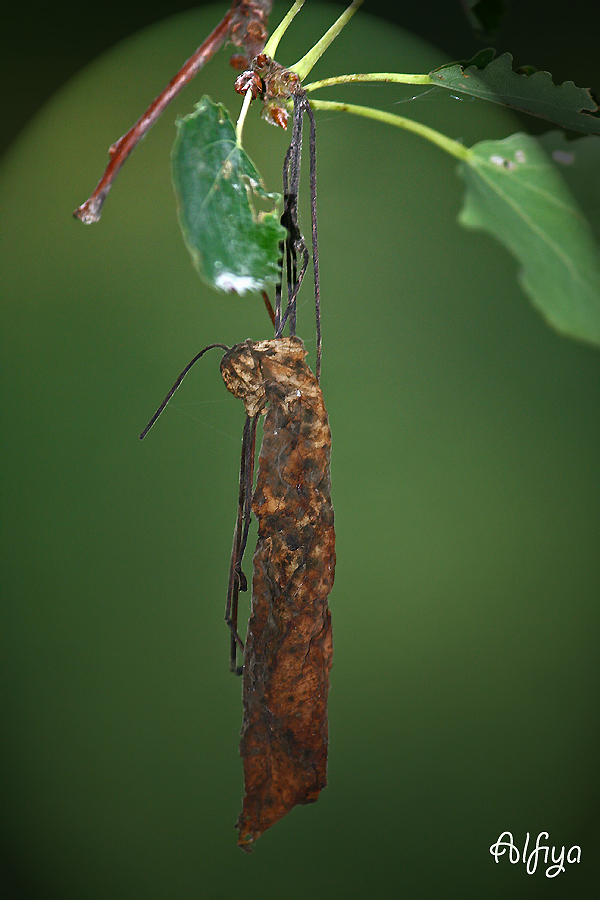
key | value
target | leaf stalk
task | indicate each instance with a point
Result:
(239, 127)
(304, 65)
(272, 44)
(436, 137)
(368, 76)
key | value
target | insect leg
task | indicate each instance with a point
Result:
(294, 242)
(313, 216)
(283, 244)
(237, 579)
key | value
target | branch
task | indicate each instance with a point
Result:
(245, 25)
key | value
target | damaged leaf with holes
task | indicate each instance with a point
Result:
(517, 194)
(230, 223)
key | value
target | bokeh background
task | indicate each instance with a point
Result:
(465, 483)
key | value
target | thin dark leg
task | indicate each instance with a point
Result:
(313, 217)
(249, 487)
(283, 245)
(294, 241)
(237, 579)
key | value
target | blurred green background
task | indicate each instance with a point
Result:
(465, 484)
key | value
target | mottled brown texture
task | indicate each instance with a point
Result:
(288, 649)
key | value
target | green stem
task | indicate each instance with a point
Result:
(304, 65)
(270, 47)
(453, 147)
(242, 116)
(369, 76)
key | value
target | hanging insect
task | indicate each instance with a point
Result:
(287, 654)
(288, 650)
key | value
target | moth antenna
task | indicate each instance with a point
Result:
(176, 385)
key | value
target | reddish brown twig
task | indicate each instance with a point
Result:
(245, 25)
(269, 308)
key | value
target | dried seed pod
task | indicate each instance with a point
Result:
(275, 114)
(288, 649)
(249, 79)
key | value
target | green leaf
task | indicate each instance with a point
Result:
(230, 224)
(578, 162)
(534, 93)
(518, 195)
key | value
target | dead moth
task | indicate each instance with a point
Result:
(288, 648)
